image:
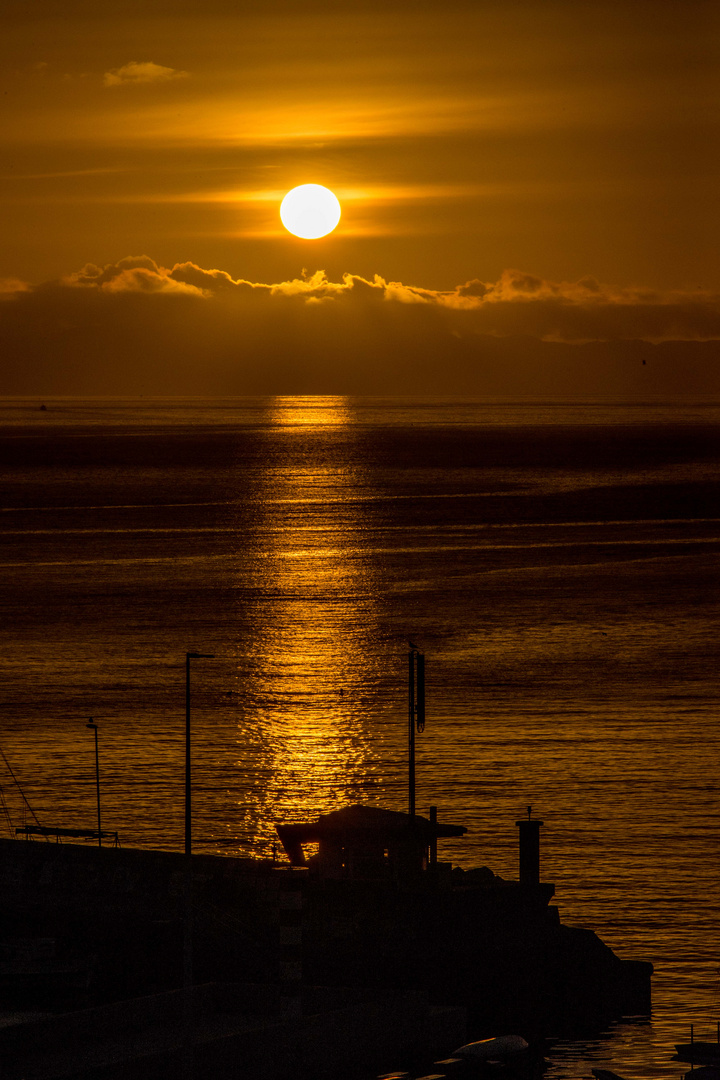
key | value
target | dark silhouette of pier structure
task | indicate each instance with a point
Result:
(370, 948)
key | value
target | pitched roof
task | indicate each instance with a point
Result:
(364, 821)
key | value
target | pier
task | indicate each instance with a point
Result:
(367, 950)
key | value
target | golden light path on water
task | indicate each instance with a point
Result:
(305, 729)
(558, 568)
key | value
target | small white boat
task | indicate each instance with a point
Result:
(501, 1046)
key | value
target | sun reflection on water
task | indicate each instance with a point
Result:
(306, 736)
(287, 410)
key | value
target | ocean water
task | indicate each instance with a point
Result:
(557, 564)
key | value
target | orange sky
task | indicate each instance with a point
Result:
(566, 141)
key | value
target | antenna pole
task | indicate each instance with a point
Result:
(93, 726)
(411, 732)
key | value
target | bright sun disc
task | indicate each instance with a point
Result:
(310, 211)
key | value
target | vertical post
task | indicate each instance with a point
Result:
(188, 1033)
(529, 850)
(91, 724)
(411, 733)
(420, 704)
(291, 889)
(433, 836)
(188, 797)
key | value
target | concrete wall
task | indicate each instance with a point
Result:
(122, 911)
(352, 1034)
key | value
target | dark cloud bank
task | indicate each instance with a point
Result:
(137, 328)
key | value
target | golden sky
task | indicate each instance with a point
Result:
(566, 141)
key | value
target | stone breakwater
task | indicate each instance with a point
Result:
(493, 950)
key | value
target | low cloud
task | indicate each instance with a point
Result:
(137, 327)
(147, 72)
(139, 275)
(10, 287)
(517, 303)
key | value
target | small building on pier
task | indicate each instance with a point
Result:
(367, 842)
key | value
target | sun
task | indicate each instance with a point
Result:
(310, 211)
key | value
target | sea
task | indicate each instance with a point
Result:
(556, 563)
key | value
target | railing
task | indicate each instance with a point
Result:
(76, 834)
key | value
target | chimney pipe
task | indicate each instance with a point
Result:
(529, 850)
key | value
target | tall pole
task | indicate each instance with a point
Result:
(411, 732)
(91, 724)
(188, 790)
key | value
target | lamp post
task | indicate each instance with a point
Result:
(93, 726)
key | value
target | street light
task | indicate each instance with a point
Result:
(188, 797)
(93, 726)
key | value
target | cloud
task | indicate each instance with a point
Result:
(147, 72)
(517, 304)
(135, 326)
(135, 274)
(10, 287)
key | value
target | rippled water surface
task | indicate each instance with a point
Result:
(557, 565)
